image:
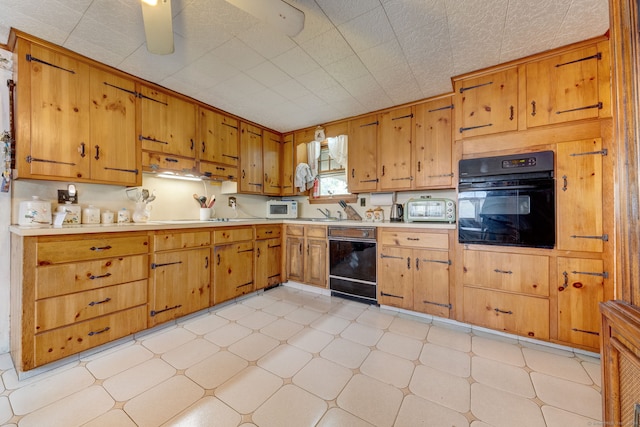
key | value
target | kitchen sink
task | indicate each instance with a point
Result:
(319, 219)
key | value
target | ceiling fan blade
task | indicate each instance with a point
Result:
(277, 13)
(158, 27)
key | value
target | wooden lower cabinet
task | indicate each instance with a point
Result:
(307, 254)
(507, 291)
(233, 268)
(518, 314)
(268, 256)
(580, 291)
(414, 269)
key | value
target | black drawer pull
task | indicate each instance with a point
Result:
(92, 303)
(92, 277)
(503, 271)
(413, 238)
(268, 232)
(100, 248)
(497, 310)
(92, 333)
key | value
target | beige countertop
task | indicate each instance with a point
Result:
(49, 230)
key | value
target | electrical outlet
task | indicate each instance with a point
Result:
(232, 202)
(63, 197)
(363, 202)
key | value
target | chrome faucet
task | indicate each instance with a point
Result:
(326, 213)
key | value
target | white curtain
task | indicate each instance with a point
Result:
(338, 149)
(313, 154)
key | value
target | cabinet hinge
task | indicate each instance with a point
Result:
(604, 237)
(408, 116)
(475, 127)
(155, 312)
(586, 58)
(231, 126)
(382, 256)
(122, 170)
(604, 152)
(154, 265)
(34, 59)
(146, 138)
(585, 331)
(370, 124)
(604, 274)
(132, 92)
(384, 294)
(439, 304)
(141, 96)
(254, 133)
(447, 107)
(437, 261)
(33, 159)
(464, 89)
(586, 107)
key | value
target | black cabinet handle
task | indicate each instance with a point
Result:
(100, 248)
(97, 152)
(92, 277)
(92, 303)
(497, 310)
(92, 333)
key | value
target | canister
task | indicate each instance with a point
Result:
(378, 214)
(34, 212)
(107, 217)
(74, 213)
(124, 216)
(91, 215)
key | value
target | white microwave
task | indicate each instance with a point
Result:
(282, 209)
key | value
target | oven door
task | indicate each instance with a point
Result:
(511, 213)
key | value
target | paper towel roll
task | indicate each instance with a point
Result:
(381, 199)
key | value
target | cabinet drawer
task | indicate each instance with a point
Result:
(158, 162)
(519, 314)
(268, 231)
(228, 235)
(295, 230)
(228, 173)
(67, 309)
(412, 239)
(72, 339)
(64, 279)
(315, 231)
(59, 251)
(172, 240)
(508, 272)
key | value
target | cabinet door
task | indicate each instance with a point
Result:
(488, 104)
(168, 123)
(363, 135)
(579, 196)
(563, 88)
(295, 258)
(268, 258)
(250, 159)
(580, 290)
(233, 271)
(432, 165)
(114, 149)
(287, 165)
(315, 270)
(271, 147)
(431, 282)
(59, 115)
(395, 277)
(173, 295)
(394, 149)
(218, 138)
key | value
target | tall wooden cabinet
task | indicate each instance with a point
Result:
(362, 153)
(271, 154)
(288, 166)
(219, 143)
(395, 149)
(251, 166)
(432, 159)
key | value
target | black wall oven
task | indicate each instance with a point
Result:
(507, 200)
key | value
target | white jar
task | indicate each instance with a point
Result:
(124, 217)
(74, 213)
(91, 215)
(107, 217)
(34, 212)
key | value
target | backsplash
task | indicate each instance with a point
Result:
(174, 198)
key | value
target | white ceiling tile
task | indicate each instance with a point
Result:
(242, 85)
(295, 62)
(268, 74)
(29, 25)
(328, 47)
(315, 20)
(347, 69)
(123, 17)
(238, 54)
(264, 39)
(343, 11)
(92, 33)
(362, 85)
(291, 89)
(309, 101)
(316, 80)
(267, 97)
(383, 56)
(584, 20)
(54, 13)
(206, 72)
(333, 94)
(367, 30)
(202, 16)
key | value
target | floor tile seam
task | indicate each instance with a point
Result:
(595, 421)
(558, 377)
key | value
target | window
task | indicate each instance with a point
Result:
(331, 175)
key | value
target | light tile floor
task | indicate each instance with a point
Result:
(287, 357)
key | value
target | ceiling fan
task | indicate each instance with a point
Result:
(158, 25)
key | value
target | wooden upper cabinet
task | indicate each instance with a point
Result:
(394, 149)
(564, 87)
(57, 143)
(288, 168)
(218, 138)
(251, 179)
(487, 104)
(363, 136)
(168, 123)
(432, 148)
(271, 152)
(114, 147)
(579, 196)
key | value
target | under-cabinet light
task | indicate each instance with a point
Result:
(182, 177)
(150, 2)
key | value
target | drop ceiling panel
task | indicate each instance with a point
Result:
(352, 57)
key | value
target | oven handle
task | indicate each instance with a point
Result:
(352, 239)
(462, 188)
